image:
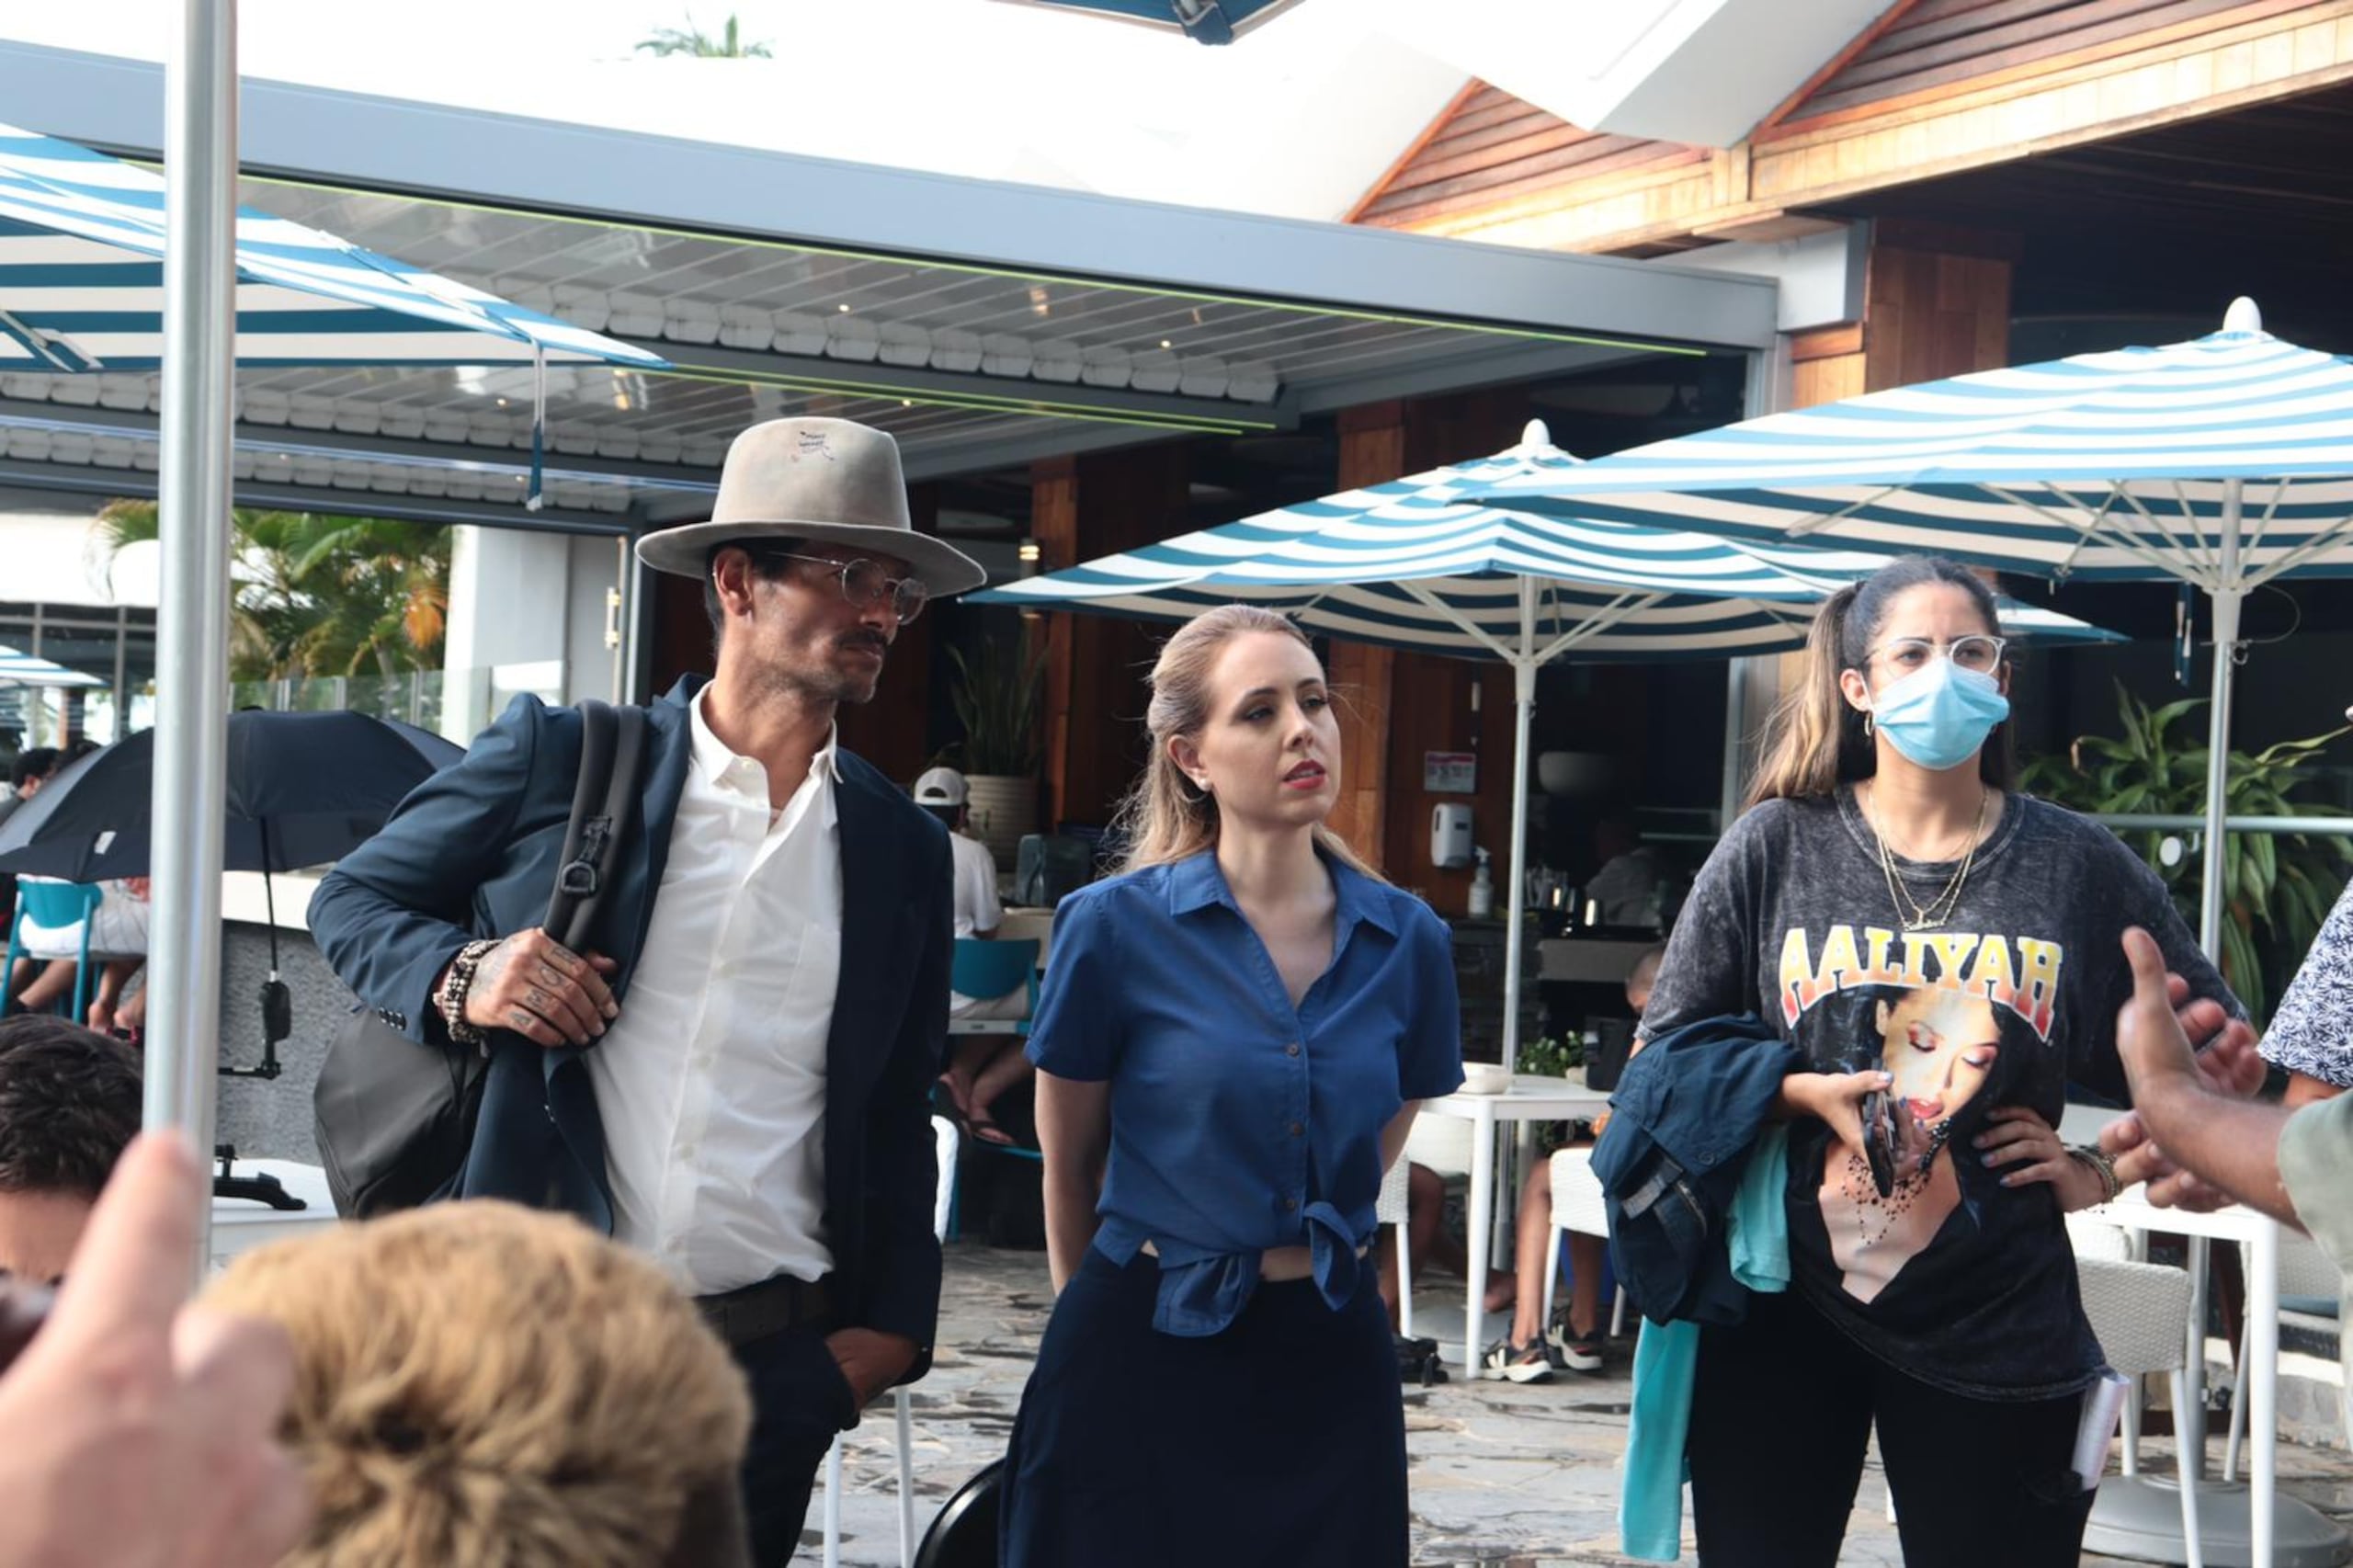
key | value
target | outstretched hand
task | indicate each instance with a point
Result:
(2159, 1033)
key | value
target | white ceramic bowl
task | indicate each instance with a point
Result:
(1484, 1078)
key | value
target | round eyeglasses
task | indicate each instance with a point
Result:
(864, 582)
(1976, 653)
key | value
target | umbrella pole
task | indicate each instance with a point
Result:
(2228, 597)
(1523, 674)
(192, 622)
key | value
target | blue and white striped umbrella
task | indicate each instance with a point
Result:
(1417, 563)
(1414, 564)
(28, 669)
(2223, 462)
(82, 284)
(2121, 466)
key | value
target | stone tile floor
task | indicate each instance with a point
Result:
(1504, 1475)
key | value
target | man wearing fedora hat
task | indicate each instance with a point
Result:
(735, 1076)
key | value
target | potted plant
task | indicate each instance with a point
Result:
(2278, 887)
(998, 695)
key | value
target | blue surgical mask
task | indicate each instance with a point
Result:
(1939, 715)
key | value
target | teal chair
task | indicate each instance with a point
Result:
(56, 906)
(989, 969)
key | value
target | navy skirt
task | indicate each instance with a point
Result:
(1279, 1442)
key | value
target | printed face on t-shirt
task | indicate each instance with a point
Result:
(1939, 1045)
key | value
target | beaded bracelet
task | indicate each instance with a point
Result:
(453, 992)
(2091, 1155)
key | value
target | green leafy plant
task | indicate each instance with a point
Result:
(2278, 887)
(1550, 1058)
(318, 594)
(998, 696)
(692, 41)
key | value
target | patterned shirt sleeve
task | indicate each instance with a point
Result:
(2312, 1032)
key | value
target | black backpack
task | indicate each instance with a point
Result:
(395, 1119)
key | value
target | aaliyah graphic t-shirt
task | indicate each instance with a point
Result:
(2006, 995)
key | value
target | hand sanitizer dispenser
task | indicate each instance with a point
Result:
(1450, 835)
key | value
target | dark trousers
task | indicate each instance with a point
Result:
(799, 1400)
(1780, 1414)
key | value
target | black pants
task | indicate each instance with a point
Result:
(1781, 1414)
(799, 1400)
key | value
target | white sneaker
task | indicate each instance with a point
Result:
(1516, 1363)
(1576, 1352)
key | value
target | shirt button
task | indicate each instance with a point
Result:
(1292, 1049)
(1298, 1129)
(1291, 1204)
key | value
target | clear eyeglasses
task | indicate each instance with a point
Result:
(865, 582)
(1976, 653)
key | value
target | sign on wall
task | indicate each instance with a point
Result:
(1451, 772)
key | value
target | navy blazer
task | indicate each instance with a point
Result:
(472, 852)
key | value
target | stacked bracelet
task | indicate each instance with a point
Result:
(2091, 1156)
(452, 1000)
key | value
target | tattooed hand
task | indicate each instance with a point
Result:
(535, 987)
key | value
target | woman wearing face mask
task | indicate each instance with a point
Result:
(1889, 896)
(1232, 1040)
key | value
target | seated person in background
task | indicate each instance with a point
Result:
(69, 1106)
(480, 1383)
(118, 938)
(32, 767)
(980, 1067)
(1631, 883)
(1573, 1338)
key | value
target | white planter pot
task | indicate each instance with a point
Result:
(1003, 809)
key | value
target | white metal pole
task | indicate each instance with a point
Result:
(1523, 673)
(192, 614)
(2229, 595)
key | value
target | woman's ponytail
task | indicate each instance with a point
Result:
(1812, 726)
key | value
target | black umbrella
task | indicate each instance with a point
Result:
(303, 789)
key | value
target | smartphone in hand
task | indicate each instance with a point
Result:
(1880, 1140)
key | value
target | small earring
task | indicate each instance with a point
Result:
(1867, 726)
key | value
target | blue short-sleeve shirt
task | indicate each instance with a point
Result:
(1239, 1123)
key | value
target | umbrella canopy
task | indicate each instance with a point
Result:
(82, 284)
(1413, 564)
(2224, 462)
(25, 669)
(303, 789)
(1204, 21)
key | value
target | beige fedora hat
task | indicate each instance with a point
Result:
(823, 480)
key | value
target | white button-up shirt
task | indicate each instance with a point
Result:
(711, 1083)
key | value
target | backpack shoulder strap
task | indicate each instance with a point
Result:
(588, 837)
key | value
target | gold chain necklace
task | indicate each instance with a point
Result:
(1940, 908)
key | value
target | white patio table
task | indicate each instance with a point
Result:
(1529, 1099)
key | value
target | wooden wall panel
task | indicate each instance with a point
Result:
(1943, 43)
(1488, 147)
(1947, 86)
(1096, 665)
(1372, 452)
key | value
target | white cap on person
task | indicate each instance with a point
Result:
(940, 786)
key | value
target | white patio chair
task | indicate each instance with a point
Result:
(1392, 1208)
(944, 1139)
(1577, 1206)
(2304, 1270)
(2138, 1310)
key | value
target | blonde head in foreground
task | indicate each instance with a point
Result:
(480, 1383)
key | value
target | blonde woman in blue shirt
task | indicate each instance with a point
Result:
(1232, 1040)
